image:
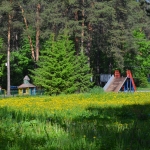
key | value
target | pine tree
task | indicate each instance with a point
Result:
(59, 70)
(10, 25)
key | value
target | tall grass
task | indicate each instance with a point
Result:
(76, 122)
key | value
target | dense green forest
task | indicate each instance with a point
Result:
(62, 43)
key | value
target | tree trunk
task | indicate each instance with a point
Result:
(37, 31)
(82, 32)
(8, 56)
(77, 41)
(30, 40)
(89, 41)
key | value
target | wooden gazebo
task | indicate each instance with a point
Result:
(26, 88)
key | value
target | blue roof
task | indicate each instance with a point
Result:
(13, 87)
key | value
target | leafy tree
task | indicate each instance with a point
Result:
(58, 67)
(20, 62)
(140, 61)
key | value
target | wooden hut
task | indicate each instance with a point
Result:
(26, 88)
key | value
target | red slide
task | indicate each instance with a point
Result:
(117, 74)
(129, 75)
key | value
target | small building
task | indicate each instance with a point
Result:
(26, 88)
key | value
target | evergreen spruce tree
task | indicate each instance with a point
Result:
(56, 67)
(83, 74)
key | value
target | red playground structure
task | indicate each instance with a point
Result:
(117, 83)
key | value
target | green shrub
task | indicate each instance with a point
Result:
(143, 82)
(96, 90)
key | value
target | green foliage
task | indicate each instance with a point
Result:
(58, 68)
(142, 59)
(2, 61)
(143, 82)
(96, 90)
(83, 74)
(5, 7)
(1, 42)
(103, 31)
(2, 66)
(20, 62)
(139, 61)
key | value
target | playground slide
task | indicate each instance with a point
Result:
(115, 85)
(108, 83)
(129, 75)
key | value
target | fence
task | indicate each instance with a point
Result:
(3, 93)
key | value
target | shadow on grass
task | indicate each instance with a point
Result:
(110, 128)
(113, 128)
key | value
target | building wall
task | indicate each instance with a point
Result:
(23, 91)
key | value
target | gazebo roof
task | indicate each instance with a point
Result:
(26, 85)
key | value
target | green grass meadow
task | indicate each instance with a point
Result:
(120, 127)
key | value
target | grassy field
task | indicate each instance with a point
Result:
(106, 121)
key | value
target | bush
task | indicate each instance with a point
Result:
(143, 82)
(96, 90)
